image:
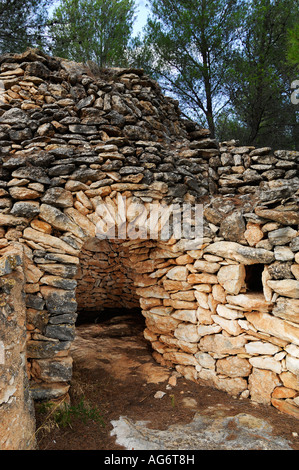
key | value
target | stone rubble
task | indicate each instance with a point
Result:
(223, 311)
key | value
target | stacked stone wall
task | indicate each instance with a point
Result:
(16, 407)
(71, 141)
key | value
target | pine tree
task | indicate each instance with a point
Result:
(92, 30)
(22, 24)
(258, 81)
(186, 46)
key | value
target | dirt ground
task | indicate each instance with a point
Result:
(115, 374)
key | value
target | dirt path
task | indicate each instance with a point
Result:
(115, 375)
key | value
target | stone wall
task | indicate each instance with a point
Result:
(223, 310)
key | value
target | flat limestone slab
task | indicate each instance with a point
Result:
(213, 432)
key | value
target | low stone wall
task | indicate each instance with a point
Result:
(225, 313)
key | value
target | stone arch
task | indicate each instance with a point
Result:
(66, 249)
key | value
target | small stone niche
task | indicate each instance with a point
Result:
(253, 277)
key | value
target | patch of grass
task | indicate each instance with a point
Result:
(82, 411)
(62, 415)
(172, 401)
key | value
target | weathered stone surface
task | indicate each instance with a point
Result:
(229, 313)
(287, 308)
(83, 222)
(14, 116)
(232, 327)
(180, 358)
(178, 273)
(283, 253)
(234, 366)
(206, 266)
(290, 380)
(64, 270)
(287, 287)
(48, 240)
(219, 293)
(9, 262)
(59, 220)
(23, 193)
(58, 197)
(153, 291)
(283, 217)
(279, 270)
(253, 233)
(60, 282)
(274, 326)
(202, 299)
(283, 392)
(286, 407)
(260, 347)
(292, 350)
(220, 344)
(160, 324)
(46, 348)
(65, 332)
(234, 386)
(59, 301)
(28, 209)
(32, 173)
(186, 315)
(292, 364)
(261, 385)
(266, 362)
(204, 330)
(32, 273)
(295, 271)
(232, 278)
(267, 291)
(11, 220)
(48, 391)
(232, 228)
(59, 370)
(205, 360)
(282, 236)
(250, 301)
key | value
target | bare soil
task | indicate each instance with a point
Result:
(114, 373)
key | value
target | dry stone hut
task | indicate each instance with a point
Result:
(221, 307)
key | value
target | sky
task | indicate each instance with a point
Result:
(142, 12)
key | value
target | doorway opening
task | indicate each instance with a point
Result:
(109, 306)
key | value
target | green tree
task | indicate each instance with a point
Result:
(22, 24)
(186, 45)
(293, 45)
(95, 30)
(258, 81)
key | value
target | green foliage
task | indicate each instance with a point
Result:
(82, 412)
(258, 78)
(186, 46)
(293, 45)
(95, 30)
(22, 24)
(172, 400)
(226, 62)
(228, 127)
